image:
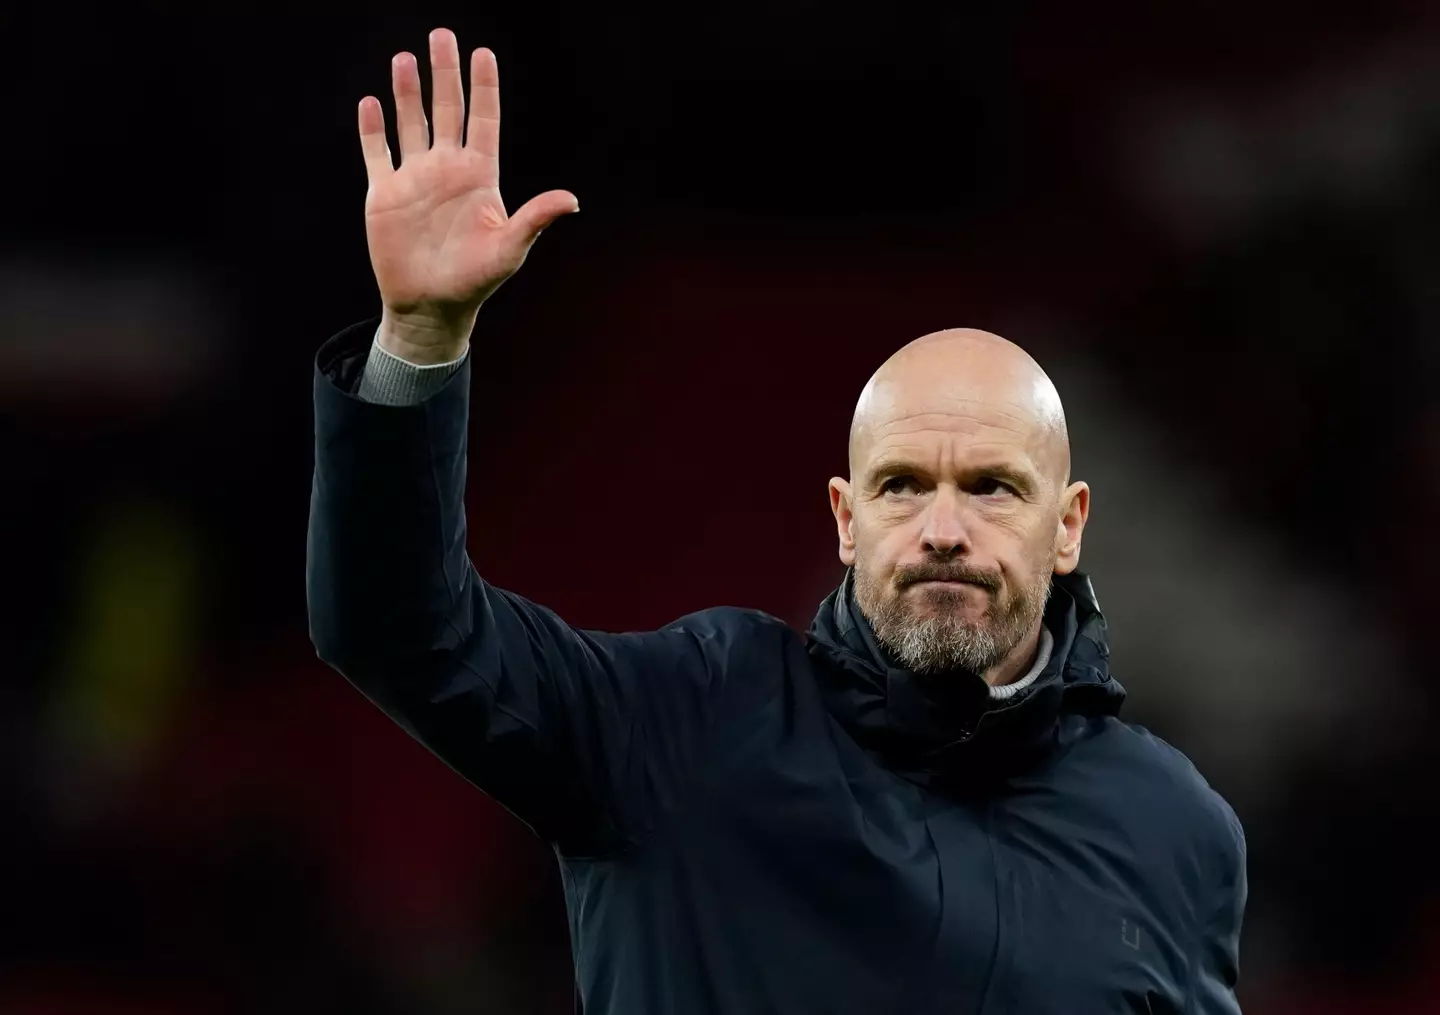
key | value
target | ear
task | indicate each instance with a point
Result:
(1075, 509)
(842, 507)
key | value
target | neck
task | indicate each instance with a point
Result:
(1017, 663)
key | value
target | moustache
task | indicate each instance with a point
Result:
(987, 580)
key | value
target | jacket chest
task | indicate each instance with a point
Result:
(943, 905)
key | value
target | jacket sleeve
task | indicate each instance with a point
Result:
(1217, 965)
(585, 736)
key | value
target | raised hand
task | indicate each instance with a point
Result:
(440, 239)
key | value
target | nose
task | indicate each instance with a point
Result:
(946, 529)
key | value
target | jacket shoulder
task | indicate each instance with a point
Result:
(735, 636)
(1187, 795)
(750, 652)
(732, 621)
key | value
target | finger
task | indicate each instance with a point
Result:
(482, 132)
(409, 107)
(447, 93)
(372, 140)
(539, 212)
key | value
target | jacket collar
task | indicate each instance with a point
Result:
(946, 728)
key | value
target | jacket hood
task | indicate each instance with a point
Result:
(946, 727)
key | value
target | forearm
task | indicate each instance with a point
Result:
(386, 561)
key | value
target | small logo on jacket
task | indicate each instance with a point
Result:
(1130, 934)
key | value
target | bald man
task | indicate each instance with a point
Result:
(924, 804)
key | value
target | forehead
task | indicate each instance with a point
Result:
(946, 422)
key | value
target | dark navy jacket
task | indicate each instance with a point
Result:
(750, 820)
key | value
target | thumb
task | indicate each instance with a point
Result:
(538, 212)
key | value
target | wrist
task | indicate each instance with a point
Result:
(424, 341)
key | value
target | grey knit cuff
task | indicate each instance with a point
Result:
(390, 380)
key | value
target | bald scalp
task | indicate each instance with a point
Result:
(964, 366)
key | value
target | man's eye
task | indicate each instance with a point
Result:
(899, 484)
(989, 486)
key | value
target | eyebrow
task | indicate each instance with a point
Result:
(1019, 478)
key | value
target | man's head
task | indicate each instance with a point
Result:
(959, 507)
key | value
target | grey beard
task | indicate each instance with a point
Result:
(937, 644)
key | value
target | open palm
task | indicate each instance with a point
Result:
(439, 236)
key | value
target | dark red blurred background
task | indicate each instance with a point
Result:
(1217, 226)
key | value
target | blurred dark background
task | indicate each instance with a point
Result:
(1217, 225)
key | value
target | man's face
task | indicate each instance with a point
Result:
(954, 522)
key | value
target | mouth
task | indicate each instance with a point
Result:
(947, 583)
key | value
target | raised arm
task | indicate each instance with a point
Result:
(586, 736)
